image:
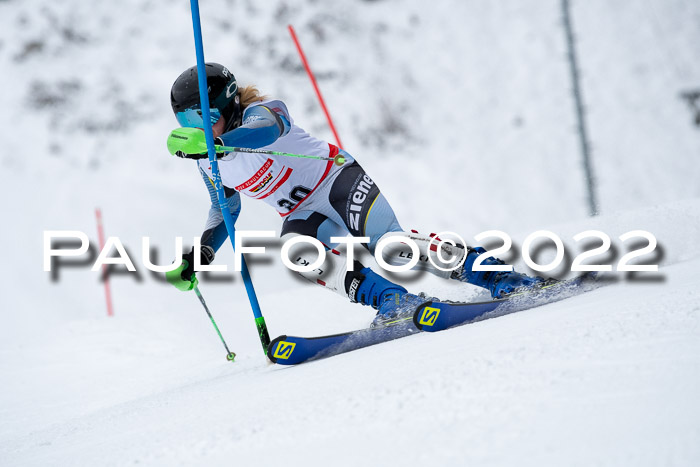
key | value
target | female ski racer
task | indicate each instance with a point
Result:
(315, 198)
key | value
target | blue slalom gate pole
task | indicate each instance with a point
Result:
(216, 176)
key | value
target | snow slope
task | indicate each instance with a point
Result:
(607, 378)
(475, 93)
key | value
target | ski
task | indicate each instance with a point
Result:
(292, 350)
(430, 316)
(438, 315)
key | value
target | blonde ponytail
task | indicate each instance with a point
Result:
(250, 94)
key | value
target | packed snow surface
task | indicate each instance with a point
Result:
(463, 115)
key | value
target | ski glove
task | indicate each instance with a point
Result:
(202, 155)
(183, 277)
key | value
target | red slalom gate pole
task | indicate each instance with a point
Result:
(101, 236)
(315, 85)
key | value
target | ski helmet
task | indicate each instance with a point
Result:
(224, 99)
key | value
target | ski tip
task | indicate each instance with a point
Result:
(279, 349)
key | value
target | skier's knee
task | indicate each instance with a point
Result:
(359, 284)
(441, 264)
(331, 274)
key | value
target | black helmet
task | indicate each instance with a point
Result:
(224, 99)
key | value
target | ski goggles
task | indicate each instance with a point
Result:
(192, 118)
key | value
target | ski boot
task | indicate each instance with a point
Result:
(396, 306)
(499, 283)
(390, 300)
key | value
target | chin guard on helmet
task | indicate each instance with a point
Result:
(237, 115)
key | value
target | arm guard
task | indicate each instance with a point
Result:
(261, 127)
(215, 232)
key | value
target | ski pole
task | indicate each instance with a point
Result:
(216, 175)
(338, 160)
(189, 141)
(230, 356)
